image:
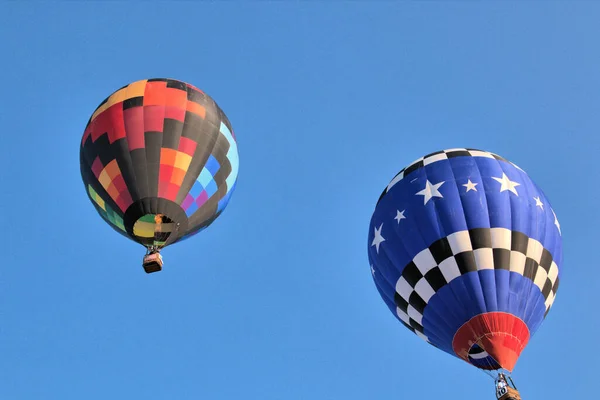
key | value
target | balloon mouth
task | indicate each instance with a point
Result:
(153, 230)
(155, 222)
(491, 340)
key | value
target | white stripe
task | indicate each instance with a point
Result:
(459, 242)
(501, 238)
(403, 288)
(435, 158)
(540, 278)
(484, 258)
(553, 272)
(396, 179)
(402, 315)
(449, 269)
(414, 314)
(424, 289)
(517, 262)
(534, 250)
(478, 153)
(424, 261)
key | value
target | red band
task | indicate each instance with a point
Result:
(503, 336)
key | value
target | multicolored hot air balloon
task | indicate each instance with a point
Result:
(466, 251)
(159, 162)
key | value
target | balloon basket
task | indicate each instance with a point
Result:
(152, 263)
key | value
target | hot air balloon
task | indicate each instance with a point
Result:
(159, 162)
(466, 250)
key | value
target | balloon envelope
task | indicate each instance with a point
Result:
(159, 161)
(466, 251)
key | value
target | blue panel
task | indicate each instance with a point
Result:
(196, 189)
(212, 165)
(211, 188)
(205, 177)
(191, 209)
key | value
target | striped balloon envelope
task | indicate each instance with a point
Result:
(466, 250)
(159, 161)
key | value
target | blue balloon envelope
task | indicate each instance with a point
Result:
(466, 250)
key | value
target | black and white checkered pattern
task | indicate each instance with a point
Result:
(466, 251)
(439, 156)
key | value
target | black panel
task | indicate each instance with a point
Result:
(435, 278)
(121, 152)
(441, 250)
(501, 259)
(400, 302)
(138, 160)
(417, 302)
(153, 142)
(466, 262)
(412, 274)
(171, 133)
(519, 242)
(481, 238)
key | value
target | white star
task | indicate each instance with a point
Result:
(399, 215)
(507, 184)
(378, 238)
(430, 191)
(372, 270)
(556, 222)
(538, 202)
(470, 185)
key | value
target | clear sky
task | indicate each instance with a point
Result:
(328, 101)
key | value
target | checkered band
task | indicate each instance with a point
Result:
(468, 251)
(439, 156)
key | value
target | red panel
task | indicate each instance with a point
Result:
(119, 183)
(176, 113)
(134, 126)
(154, 118)
(124, 201)
(165, 172)
(502, 335)
(162, 188)
(100, 125)
(97, 167)
(86, 134)
(188, 146)
(172, 191)
(116, 129)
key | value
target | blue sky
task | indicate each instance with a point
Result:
(328, 101)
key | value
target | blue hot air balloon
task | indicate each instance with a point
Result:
(466, 251)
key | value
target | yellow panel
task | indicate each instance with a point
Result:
(143, 229)
(183, 160)
(100, 202)
(104, 179)
(96, 198)
(136, 89)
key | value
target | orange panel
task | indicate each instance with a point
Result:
(112, 169)
(177, 177)
(175, 98)
(155, 93)
(168, 156)
(112, 191)
(196, 109)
